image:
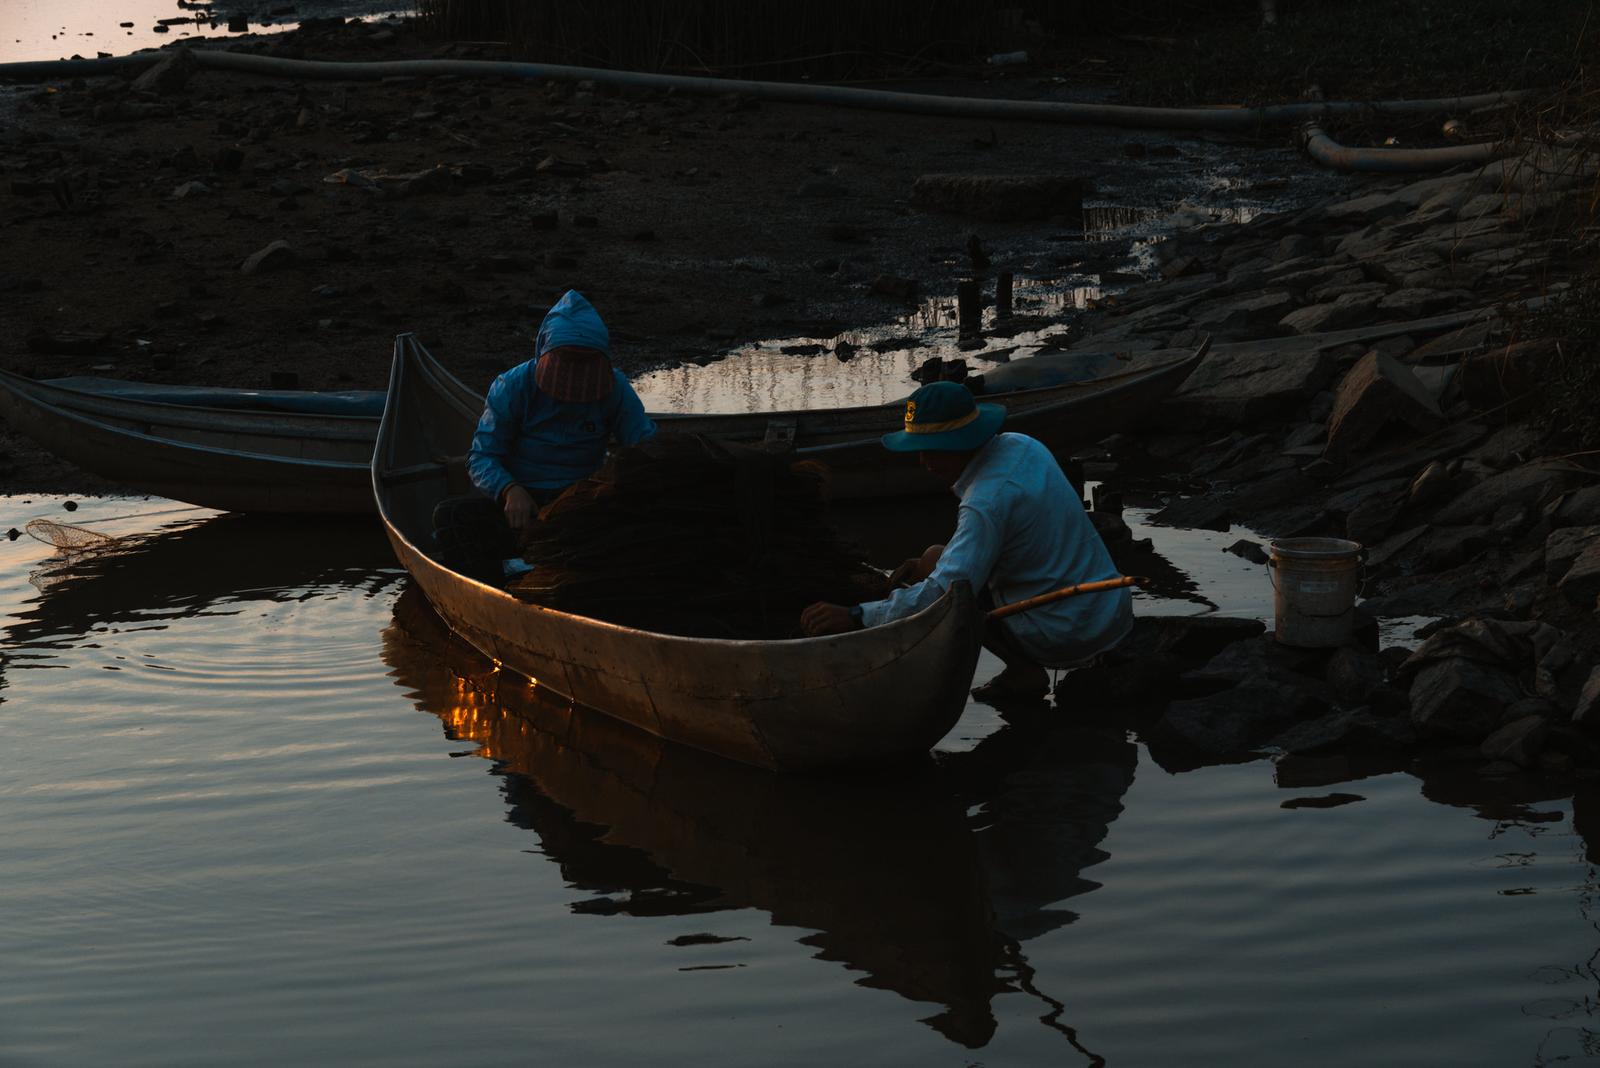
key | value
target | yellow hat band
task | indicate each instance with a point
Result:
(938, 428)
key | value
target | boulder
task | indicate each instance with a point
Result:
(1578, 508)
(1252, 316)
(1296, 246)
(1395, 547)
(1236, 721)
(1332, 284)
(1146, 664)
(1581, 584)
(1397, 268)
(1508, 446)
(1586, 713)
(1450, 198)
(1351, 309)
(1262, 657)
(1482, 206)
(273, 257)
(1001, 197)
(1507, 374)
(1432, 485)
(169, 76)
(1532, 484)
(1447, 547)
(1416, 303)
(1247, 384)
(1376, 393)
(1249, 550)
(1370, 516)
(1520, 741)
(1460, 699)
(1352, 675)
(1372, 208)
(1358, 729)
(1563, 547)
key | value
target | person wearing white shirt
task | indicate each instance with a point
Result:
(1021, 530)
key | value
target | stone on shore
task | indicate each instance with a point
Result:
(1532, 484)
(1460, 699)
(1247, 317)
(1586, 713)
(1351, 309)
(1146, 664)
(169, 76)
(1358, 729)
(1246, 717)
(1581, 584)
(1520, 742)
(1238, 387)
(1563, 547)
(273, 257)
(1506, 374)
(1377, 392)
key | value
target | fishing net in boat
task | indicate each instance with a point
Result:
(66, 537)
(695, 536)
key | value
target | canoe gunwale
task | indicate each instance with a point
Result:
(291, 425)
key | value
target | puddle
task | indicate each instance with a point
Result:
(1401, 631)
(872, 365)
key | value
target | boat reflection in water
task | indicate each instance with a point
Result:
(890, 875)
(191, 568)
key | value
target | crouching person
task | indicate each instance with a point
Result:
(546, 424)
(1021, 530)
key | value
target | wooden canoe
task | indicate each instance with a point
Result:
(867, 697)
(291, 451)
(233, 459)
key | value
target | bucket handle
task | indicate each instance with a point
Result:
(1361, 582)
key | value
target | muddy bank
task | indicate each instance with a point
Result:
(138, 217)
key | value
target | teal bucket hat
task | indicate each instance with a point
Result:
(945, 417)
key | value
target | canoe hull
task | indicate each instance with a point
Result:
(243, 464)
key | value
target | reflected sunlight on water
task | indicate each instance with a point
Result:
(297, 823)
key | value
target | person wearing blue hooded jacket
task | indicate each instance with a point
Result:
(546, 424)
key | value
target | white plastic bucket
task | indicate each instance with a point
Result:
(1314, 582)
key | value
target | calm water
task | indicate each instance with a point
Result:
(256, 810)
(59, 29)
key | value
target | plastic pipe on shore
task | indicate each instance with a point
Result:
(1330, 153)
(1211, 118)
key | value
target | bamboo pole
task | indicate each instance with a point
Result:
(1067, 591)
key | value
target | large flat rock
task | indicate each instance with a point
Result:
(1237, 385)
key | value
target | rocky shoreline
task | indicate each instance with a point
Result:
(1370, 381)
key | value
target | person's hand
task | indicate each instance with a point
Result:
(824, 618)
(902, 575)
(518, 507)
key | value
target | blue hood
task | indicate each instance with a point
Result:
(573, 321)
